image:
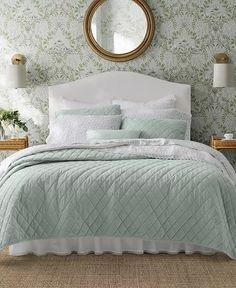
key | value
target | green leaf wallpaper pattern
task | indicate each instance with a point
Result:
(188, 34)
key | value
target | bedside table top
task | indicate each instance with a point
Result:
(14, 144)
(219, 143)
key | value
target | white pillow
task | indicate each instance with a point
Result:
(160, 114)
(163, 103)
(73, 104)
(71, 129)
(151, 112)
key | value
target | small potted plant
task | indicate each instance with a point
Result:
(10, 123)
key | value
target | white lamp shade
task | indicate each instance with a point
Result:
(16, 76)
(223, 75)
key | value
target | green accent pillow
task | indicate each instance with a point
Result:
(112, 134)
(105, 110)
(156, 128)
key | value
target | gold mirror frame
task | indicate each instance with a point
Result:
(112, 56)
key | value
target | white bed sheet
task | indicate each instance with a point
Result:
(101, 245)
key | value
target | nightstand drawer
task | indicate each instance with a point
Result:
(14, 144)
(221, 144)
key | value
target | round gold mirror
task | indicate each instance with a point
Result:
(119, 30)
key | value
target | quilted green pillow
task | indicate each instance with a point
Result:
(112, 134)
(106, 110)
(156, 128)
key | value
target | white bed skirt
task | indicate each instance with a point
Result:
(100, 245)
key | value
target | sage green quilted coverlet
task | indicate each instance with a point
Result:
(87, 192)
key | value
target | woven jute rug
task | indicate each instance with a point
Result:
(162, 271)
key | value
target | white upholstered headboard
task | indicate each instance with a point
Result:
(118, 85)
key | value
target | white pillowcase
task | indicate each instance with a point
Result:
(73, 104)
(71, 129)
(155, 113)
(162, 103)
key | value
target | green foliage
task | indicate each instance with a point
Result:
(13, 117)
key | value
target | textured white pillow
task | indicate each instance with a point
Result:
(160, 114)
(162, 103)
(71, 129)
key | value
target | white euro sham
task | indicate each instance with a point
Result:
(162, 103)
(74, 104)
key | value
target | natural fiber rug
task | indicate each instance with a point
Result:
(161, 271)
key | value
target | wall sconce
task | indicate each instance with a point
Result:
(223, 71)
(16, 72)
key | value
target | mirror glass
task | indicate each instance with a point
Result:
(119, 26)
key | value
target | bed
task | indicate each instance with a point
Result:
(128, 195)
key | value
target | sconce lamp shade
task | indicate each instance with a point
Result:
(16, 76)
(223, 75)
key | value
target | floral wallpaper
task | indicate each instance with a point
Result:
(188, 34)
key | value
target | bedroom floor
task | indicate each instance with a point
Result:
(162, 271)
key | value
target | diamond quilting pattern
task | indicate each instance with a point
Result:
(157, 128)
(81, 192)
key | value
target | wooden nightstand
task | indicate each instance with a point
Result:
(221, 144)
(14, 144)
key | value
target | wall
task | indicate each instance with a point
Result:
(188, 34)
